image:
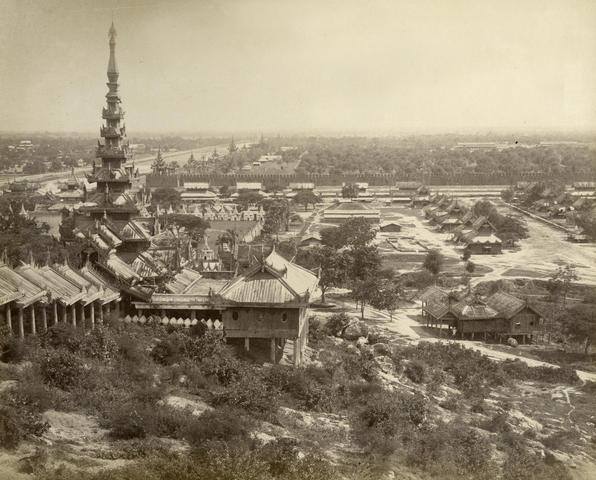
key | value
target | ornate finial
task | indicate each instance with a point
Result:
(31, 259)
(112, 66)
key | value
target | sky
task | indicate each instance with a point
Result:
(277, 66)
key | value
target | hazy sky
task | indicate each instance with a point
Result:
(279, 66)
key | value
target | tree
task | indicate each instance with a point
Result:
(433, 262)
(355, 232)
(193, 226)
(560, 281)
(306, 197)
(365, 262)
(507, 195)
(247, 198)
(277, 213)
(365, 291)
(470, 267)
(579, 324)
(165, 196)
(349, 190)
(387, 297)
(334, 267)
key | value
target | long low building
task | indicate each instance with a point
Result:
(341, 212)
(34, 297)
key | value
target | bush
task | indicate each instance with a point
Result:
(12, 350)
(11, 432)
(168, 351)
(416, 371)
(451, 403)
(316, 331)
(222, 424)
(452, 451)
(522, 465)
(62, 335)
(126, 423)
(130, 349)
(100, 344)
(62, 369)
(337, 323)
(250, 393)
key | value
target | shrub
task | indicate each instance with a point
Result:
(451, 403)
(522, 465)
(12, 350)
(337, 323)
(62, 369)
(221, 424)
(127, 423)
(11, 432)
(361, 365)
(62, 335)
(416, 371)
(316, 331)
(250, 393)
(452, 451)
(99, 343)
(168, 351)
(130, 349)
(497, 424)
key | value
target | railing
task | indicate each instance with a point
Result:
(177, 322)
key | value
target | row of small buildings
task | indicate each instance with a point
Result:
(474, 233)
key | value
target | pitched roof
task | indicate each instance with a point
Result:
(506, 304)
(274, 281)
(59, 286)
(183, 280)
(28, 291)
(100, 281)
(473, 310)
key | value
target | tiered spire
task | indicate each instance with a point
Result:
(113, 177)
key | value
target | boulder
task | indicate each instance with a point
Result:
(512, 342)
(355, 330)
(385, 363)
(381, 349)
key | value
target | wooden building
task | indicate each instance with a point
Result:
(267, 303)
(498, 317)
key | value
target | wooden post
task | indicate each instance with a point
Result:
(82, 316)
(9, 317)
(73, 312)
(273, 350)
(92, 308)
(21, 324)
(55, 308)
(44, 318)
(100, 316)
(117, 309)
(472, 335)
(485, 336)
(64, 314)
(247, 344)
(193, 314)
(297, 351)
(108, 310)
(33, 326)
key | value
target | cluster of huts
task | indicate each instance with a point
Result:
(498, 317)
(559, 205)
(474, 233)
